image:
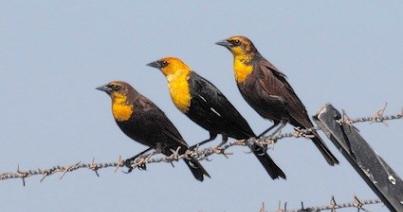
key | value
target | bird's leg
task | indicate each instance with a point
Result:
(160, 147)
(128, 162)
(282, 125)
(212, 137)
(224, 140)
(270, 128)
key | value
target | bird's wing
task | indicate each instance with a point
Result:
(211, 98)
(158, 120)
(274, 84)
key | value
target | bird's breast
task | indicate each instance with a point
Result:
(180, 93)
(122, 112)
(242, 70)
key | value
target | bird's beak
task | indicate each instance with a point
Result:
(105, 89)
(224, 43)
(155, 64)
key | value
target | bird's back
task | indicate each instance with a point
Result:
(213, 111)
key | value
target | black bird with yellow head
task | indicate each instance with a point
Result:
(207, 106)
(267, 91)
(141, 120)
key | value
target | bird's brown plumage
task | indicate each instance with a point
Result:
(266, 90)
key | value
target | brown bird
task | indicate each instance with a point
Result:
(207, 106)
(267, 91)
(141, 120)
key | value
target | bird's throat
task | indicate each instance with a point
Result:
(242, 68)
(121, 109)
(179, 90)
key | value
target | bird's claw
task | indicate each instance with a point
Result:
(221, 150)
(306, 133)
(130, 165)
(142, 167)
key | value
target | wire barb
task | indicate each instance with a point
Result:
(94, 167)
(355, 203)
(197, 153)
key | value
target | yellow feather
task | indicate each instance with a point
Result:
(179, 90)
(241, 68)
(177, 74)
(121, 109)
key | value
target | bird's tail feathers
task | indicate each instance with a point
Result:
(324, 150)
(270, 166)
(197, 169)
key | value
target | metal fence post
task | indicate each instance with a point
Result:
(369, 165)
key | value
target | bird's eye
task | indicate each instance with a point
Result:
(114, 87)
(236, 42)
(164, 63)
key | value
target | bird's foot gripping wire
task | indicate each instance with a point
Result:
(221, 150)
(139, 162)
(305, 133)
(257, 146)
(262, 147)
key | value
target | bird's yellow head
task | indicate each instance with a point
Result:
(171, 66)
(244, 52)
(239, 45)
(121, 94)
(177, 74)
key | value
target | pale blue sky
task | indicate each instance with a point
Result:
(54, 53)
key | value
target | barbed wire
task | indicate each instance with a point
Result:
(200, 154)
(332, 206)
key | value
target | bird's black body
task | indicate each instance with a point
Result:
(211, 110)
(150, 126)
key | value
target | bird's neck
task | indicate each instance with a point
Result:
(179, 89)
(243, 67)
(121, 109)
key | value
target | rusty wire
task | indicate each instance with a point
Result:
(356, 203)
(200, 154)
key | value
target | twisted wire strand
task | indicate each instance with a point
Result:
(200, 154)
(332, 206)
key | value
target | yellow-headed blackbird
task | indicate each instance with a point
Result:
(266, 90)
(204, 104)
(141, 120)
